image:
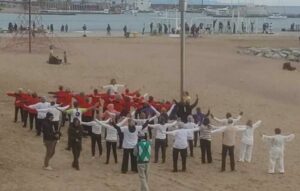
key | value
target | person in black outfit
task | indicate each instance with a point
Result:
(75, 141)
(184, 108)
(50, 137)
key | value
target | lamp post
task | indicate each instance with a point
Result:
(29, 28)
(182, 8)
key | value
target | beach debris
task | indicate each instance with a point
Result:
(288, 66)
(289, 54)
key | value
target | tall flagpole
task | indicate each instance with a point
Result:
(29, 15)
(182, 8)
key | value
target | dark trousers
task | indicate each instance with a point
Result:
(126, 153)
(196, 135)
(55, 125)
(76, 148)
(38, 126)
(63, 119)
(160, 143)
(96, 139)
(32, 117)
(205, 146)
(191, 146)
(86, 128)
(111, 145)
(17, 109)
(150, 133)
(183, 154)
(121, 137)
(25, 117)
(229, 149)
(69, 141)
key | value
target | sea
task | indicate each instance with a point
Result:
(136, 22)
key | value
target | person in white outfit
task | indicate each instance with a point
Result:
(276, 151)
(180, 144)
(247, 140)
(113, 87)
(228, 117)
(191, 125)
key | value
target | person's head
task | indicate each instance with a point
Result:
(118, 97)
(249, 123)
(151, 98)
(206, 121)
(110, 107)
(138, 94)
(61, 88)
(34, 95)
(95, 91)
(20, 90)
(52, 103)
(43, 99)
(190, 119)
(81, 94)
(75, 104)
(131, 122)
(180, 125)
(126, 91)
(49, 116)
(277, 131)
(113, 81)
(143, 115)
(162, 120)
(198, 110)
(76, 122)
(228, 115)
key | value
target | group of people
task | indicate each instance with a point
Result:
(135, 122)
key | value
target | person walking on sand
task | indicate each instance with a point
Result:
(108, 29)
(50, 137)
(142, 151)
(276, 150)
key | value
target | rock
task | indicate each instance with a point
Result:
(283, 55)
(292, 58)
(296, 53)
(276, 56)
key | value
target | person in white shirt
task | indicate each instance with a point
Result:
(180, 144)
(41, 115)
(228, 142)
(113, 87)
(111, 137)
(96, 134)
(129, 142)
(160, 139)
(276, 151)
(191, 125)
(56, 112)
(247, 141)
(228, 116)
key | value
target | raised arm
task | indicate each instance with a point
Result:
(63, 108)
(171, 109)
(289, 138)
(219, 129)
(170, 124)
(91, 123)
(120, 124)
(257, 124)
(155, 110)
(195, 103)
(105, 125)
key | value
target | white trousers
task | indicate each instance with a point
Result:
(143, 170)
(276, 160)
(245, 152)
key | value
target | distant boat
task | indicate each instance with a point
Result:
(277, 16)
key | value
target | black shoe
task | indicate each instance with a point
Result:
(174, 170)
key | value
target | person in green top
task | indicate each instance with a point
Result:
(143, 155)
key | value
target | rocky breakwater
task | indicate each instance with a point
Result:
(290, 54)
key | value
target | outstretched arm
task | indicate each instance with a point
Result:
(91, 123)
(289, 138)
(219, 129)
(103, 124)
(171, 109)
(170, 124)
(120, 124)
(257, 124)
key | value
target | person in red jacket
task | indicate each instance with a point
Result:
(88, 115)
(80, 98)
(31, 100)
(19, 96)
(59, 95)
(67, 100)
(96, 97)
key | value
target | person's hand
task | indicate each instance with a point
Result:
(211, 115)
(241, 113)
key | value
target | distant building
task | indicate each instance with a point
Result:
(142, 5)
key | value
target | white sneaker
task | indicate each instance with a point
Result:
(48, 168)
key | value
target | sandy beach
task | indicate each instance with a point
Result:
(224, 80)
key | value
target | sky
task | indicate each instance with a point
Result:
(258, 2)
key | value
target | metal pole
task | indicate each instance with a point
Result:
(29, 14)
(182, 7)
